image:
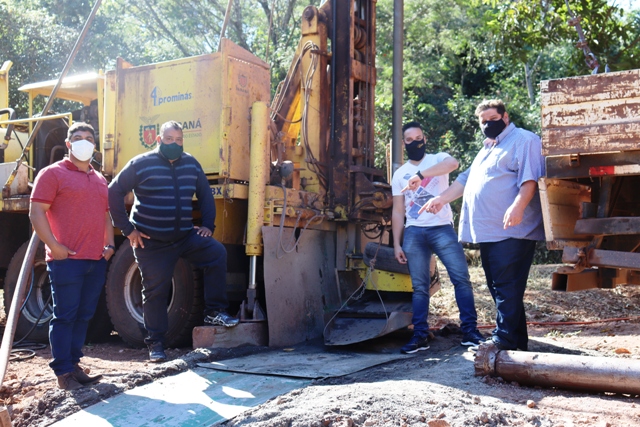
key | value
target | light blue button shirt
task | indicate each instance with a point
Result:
(492, 183)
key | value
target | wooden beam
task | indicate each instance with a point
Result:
(608, 226)
(604, 258)
(583, 166)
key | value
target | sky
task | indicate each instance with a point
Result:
(626, 4)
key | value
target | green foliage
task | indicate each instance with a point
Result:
(460, 52)
(544, 256)
(38, 35)
(37, 45)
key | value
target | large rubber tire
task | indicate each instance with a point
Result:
(124, 301)
(37, 297)
(99, 327)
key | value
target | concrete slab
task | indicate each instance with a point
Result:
(200, 397)
(254, 333)
(304, 362)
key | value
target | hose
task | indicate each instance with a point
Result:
(21, 349)
(12, 316)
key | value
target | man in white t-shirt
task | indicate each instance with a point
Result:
(423, 177)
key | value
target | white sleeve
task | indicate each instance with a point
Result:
(397, 183)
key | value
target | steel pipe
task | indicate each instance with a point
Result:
(599, 374)
(397, 109)
(14, 311)
(225, 23)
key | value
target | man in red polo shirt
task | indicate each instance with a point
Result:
(70, 213)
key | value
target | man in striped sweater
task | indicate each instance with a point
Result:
(160, 230)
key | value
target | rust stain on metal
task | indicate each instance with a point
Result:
(560, 370)
(591, 139)
(599, 87)
(590, 114)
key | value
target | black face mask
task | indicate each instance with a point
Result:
(493, 128)
(416, 149)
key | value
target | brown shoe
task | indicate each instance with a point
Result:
(81, 375)
(68, 382)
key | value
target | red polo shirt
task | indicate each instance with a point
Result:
(78, 202)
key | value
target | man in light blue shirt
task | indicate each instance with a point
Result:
(501, 211)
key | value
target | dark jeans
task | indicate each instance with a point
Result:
(157, 261)
(506, 266)
(76, 285)
(418, 245)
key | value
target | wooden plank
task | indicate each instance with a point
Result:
(604, 258)
(616, 111)
(608, 226)
(561, 203)
(563, 221)
(591, 114)
(591, 139)
(590, 88)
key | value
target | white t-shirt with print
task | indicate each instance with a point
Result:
(430, 187)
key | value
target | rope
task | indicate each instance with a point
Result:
(360, 289)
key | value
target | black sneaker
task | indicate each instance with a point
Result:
(415, 344)
(156, 352)
(222, 319)
(500, 346)
(472, 339)
(490, 341)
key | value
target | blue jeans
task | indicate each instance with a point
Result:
(76, 285)
(506, 266)
(419, 243)
(156, 262)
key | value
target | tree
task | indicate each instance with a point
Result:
(529, 33)
(446, 68)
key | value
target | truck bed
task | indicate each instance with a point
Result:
(591, 114)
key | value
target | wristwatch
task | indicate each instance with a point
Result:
(419, 175)
(110, 247)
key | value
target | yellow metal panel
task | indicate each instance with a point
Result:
(230, 191)
(211, 95)
(246, 83)
(79, 88)
(13, 150)
(231, 218)
(4, 84)
(186, 90)
(100, 97)
(387, 281)
(108, 124)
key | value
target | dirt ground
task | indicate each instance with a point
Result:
(435, 388)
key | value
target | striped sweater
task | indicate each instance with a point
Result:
(163, 196)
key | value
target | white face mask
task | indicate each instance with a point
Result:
(82, 150)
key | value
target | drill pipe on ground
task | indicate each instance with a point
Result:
(599, 374)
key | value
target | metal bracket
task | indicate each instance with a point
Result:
(574, 160)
